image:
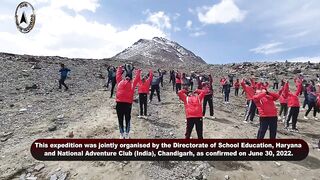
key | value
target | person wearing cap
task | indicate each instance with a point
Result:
(124, 99)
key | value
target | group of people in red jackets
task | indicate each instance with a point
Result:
(259, 98)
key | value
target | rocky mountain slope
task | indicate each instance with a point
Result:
(32, 107)
(159, 51)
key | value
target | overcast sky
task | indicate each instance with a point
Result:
(220, 31)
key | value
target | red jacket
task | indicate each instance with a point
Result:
(125, 87)
(237, 85)
(143, 87)
(265, 104)
(192, 104)
(178, 78)
(293, 99)
(248, 90)
(223, 81)
(265, 85)
(282, 98)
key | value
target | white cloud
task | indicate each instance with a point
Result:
(224, 12)
(270, 48)
(70, 34)
(176, 29)
(189, 24)
(76, 5)
(305, 59)
(159, 19)
(197, 34)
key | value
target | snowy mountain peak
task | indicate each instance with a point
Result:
(159, 51)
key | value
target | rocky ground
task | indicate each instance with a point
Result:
(32, 107)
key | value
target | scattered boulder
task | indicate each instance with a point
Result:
(52, 128)
(39, 167)
(34, 86)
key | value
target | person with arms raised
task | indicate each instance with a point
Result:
(264, 101)
(124, 99)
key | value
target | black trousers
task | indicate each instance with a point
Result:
(275, 85)
(157, 89)
(191, 85)
(178, 87)
(199, 127)
(312, 105)
(143, 101)
(61, 83)
(226, 96)
(293, 113)
(305, 102)
(207, 99)
(265, 124)
(124, 112)
(250, 111)
(236, 91)
(113, 85)
(173, 80)
(284, 109)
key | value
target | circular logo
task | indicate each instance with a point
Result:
(25, 17)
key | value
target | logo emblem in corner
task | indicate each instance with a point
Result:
(25, 17)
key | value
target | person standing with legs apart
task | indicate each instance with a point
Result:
(63, 76)
(192, 103)
(251, 107)
(178, 81)
(293, 105)
(155, 86)
(312, 98)
(124, 99)
(236, 87)
(143, 90)
(208, 98)
(264, 101)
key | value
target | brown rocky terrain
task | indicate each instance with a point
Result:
(32, 107)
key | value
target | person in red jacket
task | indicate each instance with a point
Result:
(264, 101)
(208, 98)
(283, 104)
(223, 80)
(236, 87)
(124, 99)
(178, 81)
(193, 109)
(293, 105)
(143, 90)
(251, 107)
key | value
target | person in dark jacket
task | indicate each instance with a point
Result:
(129, 70)
(63, 76)
(173, 79)
(236, 87)
(111, 78)
(275, 83)
(312, 99)
(155, 86)
(161, 74)
(249, 89)
(227, 89)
